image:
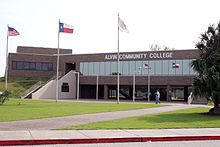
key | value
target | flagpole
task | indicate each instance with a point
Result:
(148, 91)
(6, 67)
(118, 65)
(58, 58)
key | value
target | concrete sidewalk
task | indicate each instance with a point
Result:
(62, 134)
(37, 137)
(60, 122)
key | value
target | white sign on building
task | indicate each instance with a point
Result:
(139, 56)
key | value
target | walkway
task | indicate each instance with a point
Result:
(60, 122)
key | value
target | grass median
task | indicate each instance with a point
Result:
(185, 118)
(33, 109)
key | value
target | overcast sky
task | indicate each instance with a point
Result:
(173, 23)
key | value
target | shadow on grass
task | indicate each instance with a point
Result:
(179, 117)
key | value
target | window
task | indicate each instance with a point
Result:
(186, 67)
(65, 87)
(50, 66)
(96, 68)
(179, 71)
(125, 67)
(145, 71)
(172, 71)
(102, 68)
(132, 68)
(152, 65)
(114, 67)
(14, 65)
(139, 67)
(81, 68)
(45, 66)
(91, 69)
(26, 65)
(19, 65)
(165, 67)
(32, 66)
(108, 68)
(158, 67)
(85, 68)
(38, 66)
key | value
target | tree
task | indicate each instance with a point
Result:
(207, 83)
(156, 47)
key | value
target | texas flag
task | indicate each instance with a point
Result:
(65, 28)
(176, 65)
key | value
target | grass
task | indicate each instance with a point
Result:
(18, 85)
(32, 109)
(186, 118)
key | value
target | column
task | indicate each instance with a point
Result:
(169, 93)
(130, 92)
(105, 91)
(186, 93)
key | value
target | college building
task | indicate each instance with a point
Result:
(95, 75)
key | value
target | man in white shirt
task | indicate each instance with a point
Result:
(157, 97)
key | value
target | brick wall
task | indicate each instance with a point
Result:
(31, 58)
(40, 50)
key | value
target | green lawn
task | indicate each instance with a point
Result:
(186, 118)
(31, 109)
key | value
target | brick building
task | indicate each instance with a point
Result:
(173, 83)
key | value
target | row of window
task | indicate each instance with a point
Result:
(158, 67)
(42, 66)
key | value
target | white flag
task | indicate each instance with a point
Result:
(122, 26)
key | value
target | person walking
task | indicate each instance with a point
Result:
(157, 97)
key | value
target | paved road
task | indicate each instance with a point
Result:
(59, 122)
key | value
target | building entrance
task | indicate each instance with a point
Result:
(141, 93)
(180, 93)
(89, 91)
(69, 67)
(126, 92)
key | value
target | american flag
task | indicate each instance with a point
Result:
(122, 26)
(146, 66)
(12, 32)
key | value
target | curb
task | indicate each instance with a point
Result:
(103, 140)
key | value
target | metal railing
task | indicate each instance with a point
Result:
(38, 85)
(31, 89)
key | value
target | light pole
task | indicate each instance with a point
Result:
(77, 95)
(139, 71)
(134, 87)
(97, 86)
(148, 91)
(78, 86)
(146, 66)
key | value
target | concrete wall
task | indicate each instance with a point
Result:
(49, 90)
(140, 80)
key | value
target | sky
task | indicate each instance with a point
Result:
(173, 23)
